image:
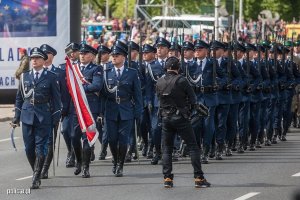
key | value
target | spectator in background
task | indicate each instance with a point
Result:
(24, 64)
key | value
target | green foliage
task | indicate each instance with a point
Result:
(287, 9)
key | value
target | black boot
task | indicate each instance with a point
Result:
(144, 151)
(298, 121)
(128, 157)
(157, 156)
(205, 155)
(36, 178)
(47, 162)
(274, 139)
(228, 151)
(70, 162)
(86, 162)
(294, 120)
(114, 153)
(212, 152)
(31, 160)
(78, 155)
(122, 155)
(219, 154)
(150, 152)
(92, 158)
(103, 152)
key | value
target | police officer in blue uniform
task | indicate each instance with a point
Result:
(201, 77)
(293, 78)
(72, 51)
(274, 94)
(175, 50)
(38, 107)
(134, 47)
(251, 80)
(94, 76)
(188, 54)
(123, 103)
(65, 99)
(256, 95)
(281, 102)
(154, 71)
(148, 59)
(224, 96)
(103, 60)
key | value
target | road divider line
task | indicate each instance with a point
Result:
(8, 139)
(26, 177)
(247, 196)
(296, 175)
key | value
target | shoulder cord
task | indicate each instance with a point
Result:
(30, 92)
(151, 73)
(194, 81)
(114, 89)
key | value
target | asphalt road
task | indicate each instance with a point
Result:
(263, 174)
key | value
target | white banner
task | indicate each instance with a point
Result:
(27, 24)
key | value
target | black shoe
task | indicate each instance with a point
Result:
(150, 154)
(228, 152)
(44, 174)
(92, 154)
(201, 183)
(155, 159)
(168, 183)
(77, 168)
(114, 169)
(283, 138)
(119, 171)
(268, 143)
(234, 149)
(204, 160)
(219, 156)
(144, 151)
(274, 140)
(258, 144)
(240, 149)
(252, 147)
(128, 157)
(212, 155)
(70, 161)
(85, 172)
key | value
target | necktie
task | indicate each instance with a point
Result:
(162, 63)
(82, 68)
(200, 67)
(36, 76)
(119, 74)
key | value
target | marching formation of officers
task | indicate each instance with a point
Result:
(247, 89)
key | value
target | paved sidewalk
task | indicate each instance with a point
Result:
(6, 112)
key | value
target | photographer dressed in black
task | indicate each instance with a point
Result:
(177, 101)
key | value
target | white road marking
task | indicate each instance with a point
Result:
(8, 139)
(26, 177)
(248, 196)
(296, 175)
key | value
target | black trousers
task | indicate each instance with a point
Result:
(177, 124)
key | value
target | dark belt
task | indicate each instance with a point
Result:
(203, 89)
(119, 100)
(36, 101)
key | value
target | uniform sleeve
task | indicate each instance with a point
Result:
(137, 96)
(148, 88)
(19, 102)
(56, 101)
(97, 82)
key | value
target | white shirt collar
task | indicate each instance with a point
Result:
(203, 61)
(190, 60)
(159, 60)
(39, 71)
(241, 60)
(121, 70)
(48, 67)
(219, 60)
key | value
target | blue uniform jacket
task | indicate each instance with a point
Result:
(126, 101)
(44, 102)
(206, 80)
(273, 79)
(150, 82)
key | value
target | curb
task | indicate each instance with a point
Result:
(4, 119)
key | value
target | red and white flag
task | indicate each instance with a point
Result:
(86, 121)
